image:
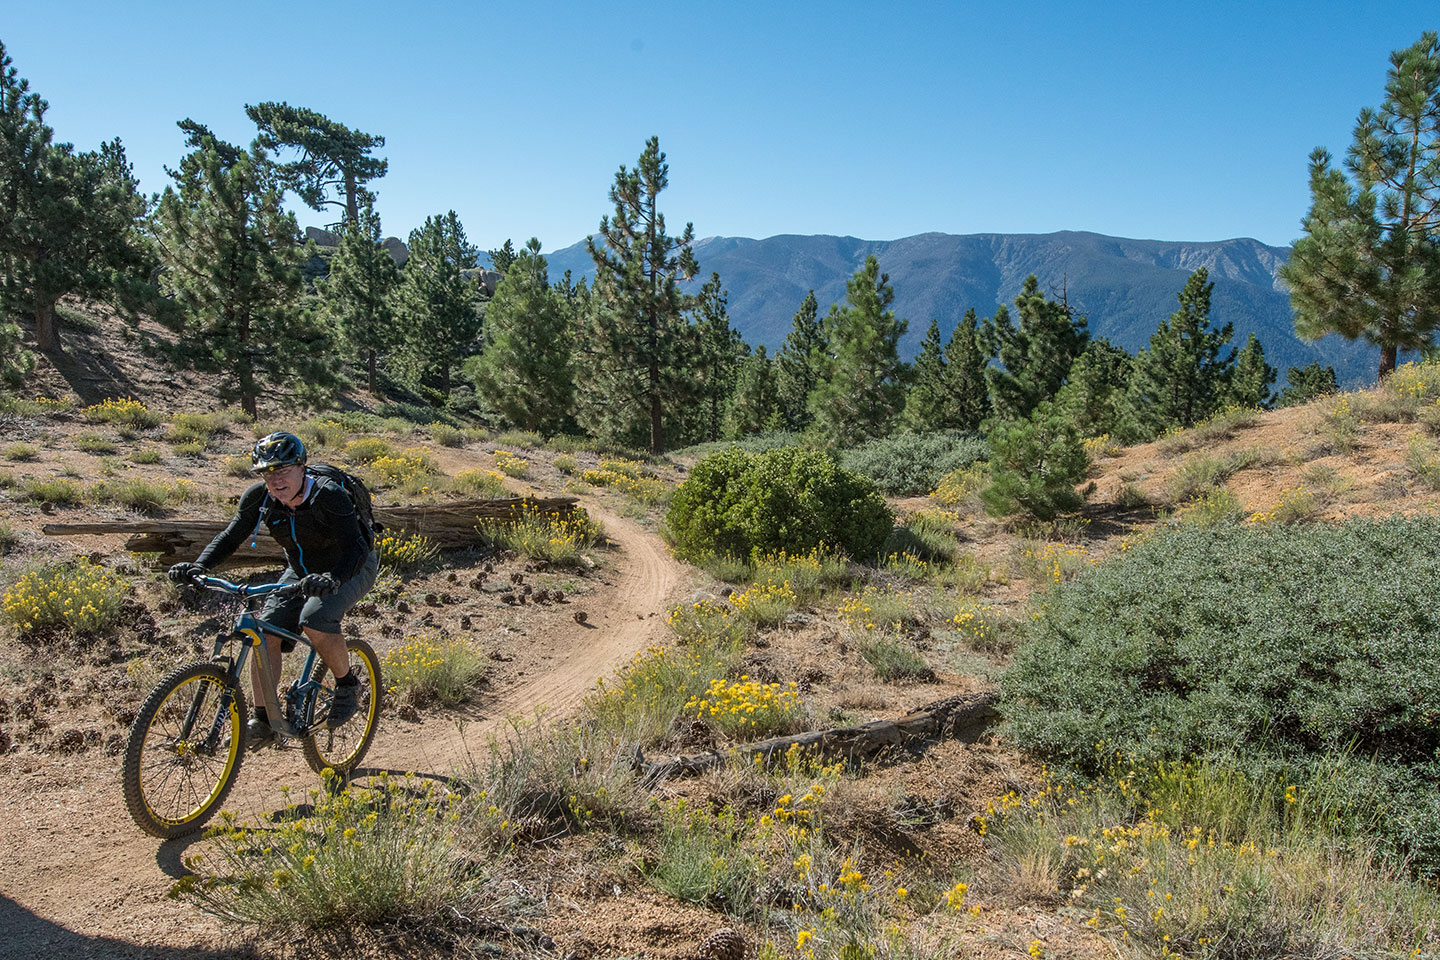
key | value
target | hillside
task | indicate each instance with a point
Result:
(1125, 287)
(576, 868)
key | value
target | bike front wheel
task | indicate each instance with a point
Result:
(342, 748)
(184, 751)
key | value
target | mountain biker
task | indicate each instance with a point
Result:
(328, 551)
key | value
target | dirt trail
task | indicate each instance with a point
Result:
(77, 878)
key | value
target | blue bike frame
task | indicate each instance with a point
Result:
(296, 719)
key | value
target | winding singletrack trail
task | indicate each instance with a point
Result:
(77, 878)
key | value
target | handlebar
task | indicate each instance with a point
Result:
(221, 585)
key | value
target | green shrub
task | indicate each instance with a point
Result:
(21, 452)
(446, 435)
(406, 553)
(643, 701)
(322, 432)
(1197, 474)
(237, 467)
(52, 490)
(1279, 648)
(566, 463)
(144, 495)
(913, 463)
(92, 442)
(9, 538)
(1034, 466)
(893, 657)
(481, 483)
(368, 449)
(188, 428)
(1424, 461)
(736, 504)
(1213, 508)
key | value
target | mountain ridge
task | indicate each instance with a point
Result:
(1125, 286)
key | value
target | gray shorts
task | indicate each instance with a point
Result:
(319, 613)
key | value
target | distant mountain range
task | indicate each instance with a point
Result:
(1125, 287)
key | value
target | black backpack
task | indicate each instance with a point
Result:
(359, 495)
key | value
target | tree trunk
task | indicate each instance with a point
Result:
(352, 202)
(657, 428)
(47, 337)
(1387, 361)
(370, 369)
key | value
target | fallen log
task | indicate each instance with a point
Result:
(962, 717)
(448, 525)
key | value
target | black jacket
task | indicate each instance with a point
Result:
(322, 535)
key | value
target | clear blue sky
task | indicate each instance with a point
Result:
(1159, 120)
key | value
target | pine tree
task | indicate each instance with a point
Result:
(639, 342)
(721, 352)
(928, 404)
(525, 369)
(1303, 384)
(861, 387)
(502, 257)
(755, 405)
(1034, 465)
(1094, 397)
(1035, 355)
(331, 155)
(438, 307)
(966, 358)
(1250, 383)
(69, 222)
(358, 294)
(232, 257)
(1183, 377)
(1369, 263)
(797, 363)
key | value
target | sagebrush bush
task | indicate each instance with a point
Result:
(21, 452)
(406, 553)
(905, 464)
(481, 483)
(1281, 647)
(428, 670)
(80, 598)
(558, 538)
(960, 488)
(92, 442)
(396, 852)
(735, 504)
(147, 496)
(125, 411)
(749, 709)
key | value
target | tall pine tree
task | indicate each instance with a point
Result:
(928, 402)
(437, 305)
(966, 358)
(358, 295)
(1250, 383)
(717, 364)
(1369, 263)
(1184, 375)
(1094, 397)
(1035, 354)
(69, 222)
(861, 389)
(330, 155)
(639, 342)
(797, 363)
(525, 372)
(755, 405)
(232, 258)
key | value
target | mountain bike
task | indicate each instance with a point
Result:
(190, 735)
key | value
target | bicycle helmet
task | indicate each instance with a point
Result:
(275, 451)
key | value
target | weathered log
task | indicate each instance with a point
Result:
(448, 525)
(962, 717)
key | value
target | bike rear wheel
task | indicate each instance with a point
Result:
(184, 750)
(342, 748)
